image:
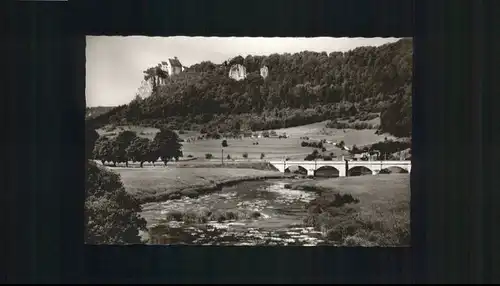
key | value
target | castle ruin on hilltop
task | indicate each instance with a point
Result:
(172, 66)
(239, 72)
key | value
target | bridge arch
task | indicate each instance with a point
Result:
(394, 170)
(359, 171)
(296, 169)
(327, 171)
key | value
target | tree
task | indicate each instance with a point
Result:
(153, 154)
(341, 145)
(101, 151)
(224, 143)
(138, 150)
(167, 144)
(123, 140)
(111, 214)
(107, 150)
(91, 137)
(354, 150)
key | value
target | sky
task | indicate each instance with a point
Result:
(115, 64)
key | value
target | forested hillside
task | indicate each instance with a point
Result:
(301, 88)
(92, 112)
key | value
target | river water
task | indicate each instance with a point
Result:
(276, 217)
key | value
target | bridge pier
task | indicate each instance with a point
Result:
(310, 172)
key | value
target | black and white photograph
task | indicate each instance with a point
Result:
(248, 141)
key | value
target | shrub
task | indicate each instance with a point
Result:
(105, 195)
(228, 157)
(190, 156)
(304, 144)
(224, 143)
(310, 157)
(182, 132)
(262, 155)
(190, 217)
(245, 155)
(208, 156)
(174, 216)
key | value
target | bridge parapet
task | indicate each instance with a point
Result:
(312, 166)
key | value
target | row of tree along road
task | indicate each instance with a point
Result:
(127, 146)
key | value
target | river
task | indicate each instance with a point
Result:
(275, 217)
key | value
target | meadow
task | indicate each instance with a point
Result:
(379, 216)
(156, 184)
(272, 148)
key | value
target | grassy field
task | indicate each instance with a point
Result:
(146, 132)
(373, 122)
(278, 148)
(155, 184)
(273, 148)
(380, 218)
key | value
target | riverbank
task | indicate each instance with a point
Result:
(161, 184)
(238, 164)
(361, 211)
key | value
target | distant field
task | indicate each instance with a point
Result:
(373, 122)
(382, 216)
(272, 148)
(278, 148)
(151, 183)
(350, 136)
(146, 132)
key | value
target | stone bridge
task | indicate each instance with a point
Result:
(344, 168)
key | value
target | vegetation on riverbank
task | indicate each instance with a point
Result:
(361, 211)
(111, 214)
(264, 166)
(160, 184)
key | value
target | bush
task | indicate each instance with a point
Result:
(174, 216)
(190, 156)
(182, 132)
(112, 216)
(262, 155)
(245, 155)
(304, 144)
(228, 157)
(310, 157)
(224, 143)
(208, 156)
